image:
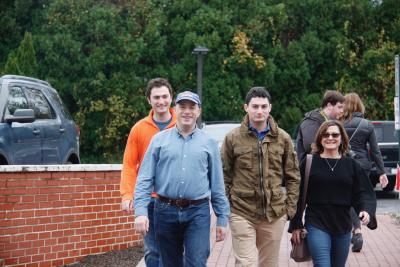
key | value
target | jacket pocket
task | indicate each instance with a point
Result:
(275, 155)
(244, 200)
(242, 193)
(244, 157)
(278, 202)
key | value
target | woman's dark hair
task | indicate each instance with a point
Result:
(317, 147)
(157, 82)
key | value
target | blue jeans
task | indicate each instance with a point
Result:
(183, 234)
(327, 250)
(151, 249)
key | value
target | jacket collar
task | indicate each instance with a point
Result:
(149, 118)
(358, 114)
(273, 127)
(315, 115)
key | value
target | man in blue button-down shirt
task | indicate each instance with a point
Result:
(183, 165)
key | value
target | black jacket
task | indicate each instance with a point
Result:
(307, 131)
(364, 135)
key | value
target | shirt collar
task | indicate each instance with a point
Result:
(189, 136)
(267, 128)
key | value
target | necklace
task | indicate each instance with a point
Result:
(330, 166)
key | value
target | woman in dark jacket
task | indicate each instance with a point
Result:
(361, 132)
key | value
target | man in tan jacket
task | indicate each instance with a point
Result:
(256, 157)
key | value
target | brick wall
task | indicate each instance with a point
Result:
(55, 215)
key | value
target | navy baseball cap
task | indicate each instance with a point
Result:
(187, 95)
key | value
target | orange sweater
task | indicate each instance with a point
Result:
(138, 140)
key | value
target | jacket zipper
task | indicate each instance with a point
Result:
(260, 167)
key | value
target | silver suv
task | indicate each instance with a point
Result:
(35, 127)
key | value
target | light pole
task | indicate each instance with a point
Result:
(200, 51)
(397, 102)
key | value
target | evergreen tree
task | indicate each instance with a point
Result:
(100, 54)
(23, 61)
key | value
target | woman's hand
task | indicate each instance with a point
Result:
(296, 235)
(383, 180)
(364, 217)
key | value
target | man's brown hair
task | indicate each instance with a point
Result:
(157, 82)
(332, 97)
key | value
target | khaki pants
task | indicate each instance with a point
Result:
(256, 244)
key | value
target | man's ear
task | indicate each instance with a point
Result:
(245, 106)
(148, 100)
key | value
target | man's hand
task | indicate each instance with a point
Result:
(127, 205)
(220, 233)
(383, 180)
(142, 224)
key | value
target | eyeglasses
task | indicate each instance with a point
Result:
(334, 135)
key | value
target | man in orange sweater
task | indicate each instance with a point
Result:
(162, 116)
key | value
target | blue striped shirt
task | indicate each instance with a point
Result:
(186, 168)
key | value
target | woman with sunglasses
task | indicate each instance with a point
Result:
(361, 133)
(336, 183)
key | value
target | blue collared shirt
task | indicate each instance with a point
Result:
(187, 168)
(261, 134)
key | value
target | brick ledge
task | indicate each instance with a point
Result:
(61, 168)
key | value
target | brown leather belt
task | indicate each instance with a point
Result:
(181, 202)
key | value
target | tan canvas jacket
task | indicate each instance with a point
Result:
(253, 173)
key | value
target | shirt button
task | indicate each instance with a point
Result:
(183, 169)
(182, 182)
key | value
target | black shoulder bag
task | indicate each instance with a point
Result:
(300, 252)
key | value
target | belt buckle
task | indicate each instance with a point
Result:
(180, 202)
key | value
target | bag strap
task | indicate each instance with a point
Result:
(306, 178)
(358, 126)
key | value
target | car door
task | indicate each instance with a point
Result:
(50, 124)
(25, 137)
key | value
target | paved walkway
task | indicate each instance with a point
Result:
(381, 248)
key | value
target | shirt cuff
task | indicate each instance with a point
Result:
(222, 221)
(141, 211)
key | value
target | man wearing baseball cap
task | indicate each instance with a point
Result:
(183, 165)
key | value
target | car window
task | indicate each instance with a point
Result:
(16, 100)
(389, 133)
(39, 104)
(219, 131)
(54, 96)
(379, 134)
(385, 132)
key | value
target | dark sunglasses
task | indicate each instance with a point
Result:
(334, 135)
